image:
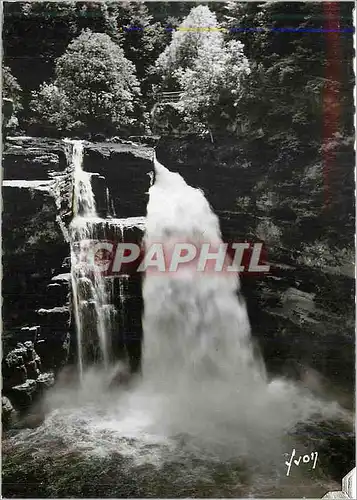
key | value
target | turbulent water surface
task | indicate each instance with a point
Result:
(203, 419)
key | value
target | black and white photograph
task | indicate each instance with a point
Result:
(178, 249)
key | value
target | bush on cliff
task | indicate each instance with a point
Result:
(95, 90)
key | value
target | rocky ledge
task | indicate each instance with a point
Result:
(24, 379)
(125, 167)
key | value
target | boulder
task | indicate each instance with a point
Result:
(45, 381)
(23, 395)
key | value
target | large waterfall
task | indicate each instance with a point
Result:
(201, 376)
(198, 351)
(196, 330)
(204, 419)
(199, 359)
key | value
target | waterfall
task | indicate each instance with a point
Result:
(92, 293)
(199, 361)
(197, 344)
(195, 327)
(204, 412)
(110, 204)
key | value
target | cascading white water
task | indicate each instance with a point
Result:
(196, 329)
(92, 293)
(110, 204)
(198, 357)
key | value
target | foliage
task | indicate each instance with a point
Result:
(284, 94)
(51, 26)
(213, 89)
(139, 28)
(198, 31)
(95, 88)
(51, 107)
(280, 102)
(34, 35)
(10, 88)
(208, 71)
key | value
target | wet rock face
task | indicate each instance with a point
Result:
(129, 304)
(33, 250)
(33, 158)
(36, 202)
(125, 167)
(22, 376)
(34, 245)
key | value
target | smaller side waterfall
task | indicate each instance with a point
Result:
(110, 204)
(92, 293)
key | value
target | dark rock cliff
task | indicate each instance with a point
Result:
(125, 168)
(37, 209)
(36, 203)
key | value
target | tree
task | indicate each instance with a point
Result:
(10, 88)
(52, 110)
(198, 31)
(95, 88)
(212, 91)
(208, 72)
(12, 94)
(284, 95)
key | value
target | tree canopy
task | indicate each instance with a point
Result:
(235, 70)
(199, 30)
(95, 88)
(208, 71)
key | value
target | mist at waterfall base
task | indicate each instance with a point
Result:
(204, 397)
